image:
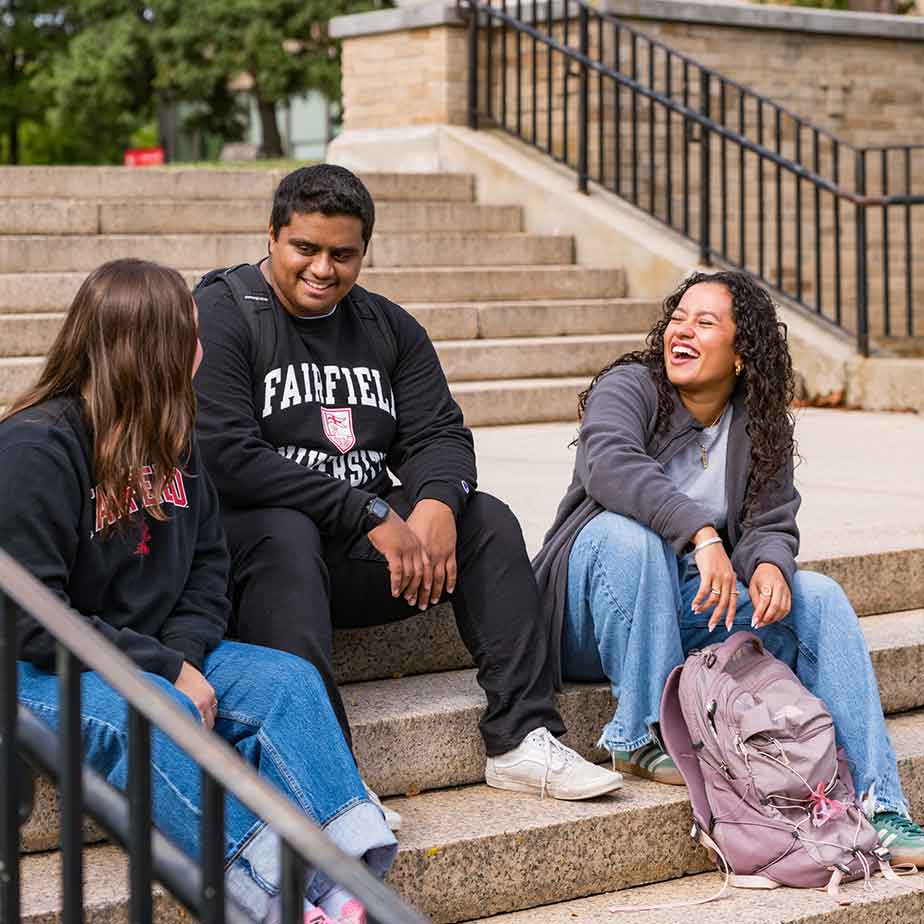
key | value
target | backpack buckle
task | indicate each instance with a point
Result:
(882, 853)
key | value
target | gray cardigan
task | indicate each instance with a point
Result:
(620, 467)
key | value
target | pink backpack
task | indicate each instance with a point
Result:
(772, 796)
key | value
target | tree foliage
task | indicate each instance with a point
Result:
(283, 45)
(81, 78)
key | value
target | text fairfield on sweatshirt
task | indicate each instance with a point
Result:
(320, 427)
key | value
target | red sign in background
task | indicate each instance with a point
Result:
(144, 157)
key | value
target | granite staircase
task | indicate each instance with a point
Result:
(519, 326)
(470, 853)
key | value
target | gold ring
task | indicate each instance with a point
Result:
(715, 593)
(736, 593)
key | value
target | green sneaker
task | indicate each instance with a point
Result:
(648, 761)
(901, 837)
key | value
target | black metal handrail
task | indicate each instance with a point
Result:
(796, 241)
(223, 771)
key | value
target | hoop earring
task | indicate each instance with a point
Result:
(739, 367)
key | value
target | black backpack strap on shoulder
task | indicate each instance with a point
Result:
(253, 297)
(378, 327)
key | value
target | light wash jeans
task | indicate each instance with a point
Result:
(628, 619)
(273, 710)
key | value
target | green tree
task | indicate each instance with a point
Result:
(283, 46)
(31, 31)
(100, 85)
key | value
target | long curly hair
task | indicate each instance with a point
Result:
(767, 377)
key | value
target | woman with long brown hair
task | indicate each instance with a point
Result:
(679, 528)
(103, 497)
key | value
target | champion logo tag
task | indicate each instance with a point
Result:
(338, 427)
(256, 298)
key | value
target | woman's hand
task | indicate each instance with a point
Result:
(717, 581)
(200, 691)
(770, 595)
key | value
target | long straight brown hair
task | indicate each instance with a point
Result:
(127, 346)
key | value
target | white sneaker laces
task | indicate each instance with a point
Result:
(556, 753)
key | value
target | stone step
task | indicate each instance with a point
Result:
(225, 216)
(122, 183)
(428, 642)
(472, 249)
(28, 334)
(36, 253)
(435, 718)
(49, 216)
(32, 334)
(512, 401)
(252, 215)
(53, 291)
(491, 403)
(885, 903)
(520, 357)
(468, 853)
(545, 317)
(489, 283)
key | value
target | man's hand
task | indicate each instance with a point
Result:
(770, 595)
(200, 691)
(408, 562)
(434, 524)
(717, 581)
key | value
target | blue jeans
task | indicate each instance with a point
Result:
(273, 710)
(628, 619)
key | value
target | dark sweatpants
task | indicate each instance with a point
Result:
(290, 589)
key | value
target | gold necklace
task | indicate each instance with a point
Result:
(703, 452)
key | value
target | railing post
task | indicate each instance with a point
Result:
(9, 797)
(473, 38)
(583, 101)
(70, 786)
(705, 173)
(862, 281)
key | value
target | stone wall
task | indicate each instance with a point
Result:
(861, 78)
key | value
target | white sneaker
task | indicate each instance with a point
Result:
(542, 764)
(392, 818)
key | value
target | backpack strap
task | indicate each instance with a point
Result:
(679, 744)
(252, 296)
(378, 327)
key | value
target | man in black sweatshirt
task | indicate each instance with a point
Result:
(310, 391)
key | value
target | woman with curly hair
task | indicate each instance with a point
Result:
(679, 528)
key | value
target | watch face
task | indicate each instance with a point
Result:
(379, 509)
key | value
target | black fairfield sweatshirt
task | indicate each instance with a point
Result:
(155, 589)
(317, 429)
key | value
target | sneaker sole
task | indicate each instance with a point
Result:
(635, 770)
(600, 789)
(900, 858)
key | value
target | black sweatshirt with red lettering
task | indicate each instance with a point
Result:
(155, 589)
(321, 425)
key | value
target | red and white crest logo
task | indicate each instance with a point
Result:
(338, 427)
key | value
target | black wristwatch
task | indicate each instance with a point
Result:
(376, 514)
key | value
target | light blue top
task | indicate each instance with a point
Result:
(706, 485)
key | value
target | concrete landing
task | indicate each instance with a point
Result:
(861, 478)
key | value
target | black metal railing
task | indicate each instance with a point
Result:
(126, 817)
(830, 226)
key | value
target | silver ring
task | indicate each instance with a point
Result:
(765, 592)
